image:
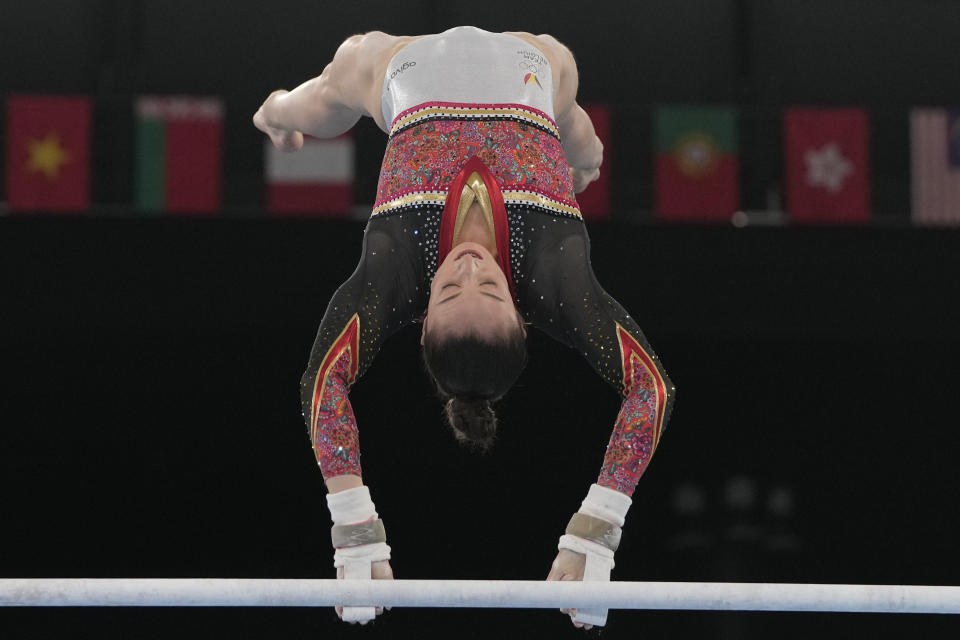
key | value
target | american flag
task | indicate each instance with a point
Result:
(935, 159)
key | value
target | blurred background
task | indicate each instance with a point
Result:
(779, 211)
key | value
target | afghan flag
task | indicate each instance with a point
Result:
(594, 202)
(828, 165)
(316, 180)
(697, 165)
(178, 154)
(935, 160)
(48, 153)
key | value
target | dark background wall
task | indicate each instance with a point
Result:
(149, 413)
(886, 55)
(151, 426)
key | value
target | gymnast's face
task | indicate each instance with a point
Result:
(470, 295)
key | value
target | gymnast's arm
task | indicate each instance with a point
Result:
(582, 147)
(569, 304)
(575, 310)
(381, 296)
(331, 103)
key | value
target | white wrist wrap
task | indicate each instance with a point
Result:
(611, 506)
(366, 553)
(351, 506)
(606, 504)
(598, 564)
(354, 506)
(603, 556)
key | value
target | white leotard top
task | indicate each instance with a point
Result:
(467, 65)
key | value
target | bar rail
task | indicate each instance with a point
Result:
(519, 594)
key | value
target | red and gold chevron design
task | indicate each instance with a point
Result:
(347, 343)
(639, 369)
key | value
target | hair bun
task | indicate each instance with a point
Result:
(473, 421)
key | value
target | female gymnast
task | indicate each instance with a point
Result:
(475, 232)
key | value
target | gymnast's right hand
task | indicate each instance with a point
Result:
(282, 139)
(379, 571)
(359, 541)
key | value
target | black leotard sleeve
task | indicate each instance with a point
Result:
(560, 295)
(384, 293)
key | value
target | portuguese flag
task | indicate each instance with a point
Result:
(48, 153)
(178, 154)
(697, 168)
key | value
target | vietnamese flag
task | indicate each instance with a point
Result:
(178, 154)
(697, 164)
(828, 165)
(48, 153)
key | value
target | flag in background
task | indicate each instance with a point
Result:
(827, 164)
(178, 154)
(48, 153)
(935, 166)
(697, 165)
(316, 180)
(594, 202)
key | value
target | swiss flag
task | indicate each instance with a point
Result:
(48, 153)
(828, 165)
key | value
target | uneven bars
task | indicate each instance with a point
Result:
(514, 594)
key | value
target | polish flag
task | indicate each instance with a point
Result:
(316, 180)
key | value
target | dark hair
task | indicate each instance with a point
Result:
(470, 374)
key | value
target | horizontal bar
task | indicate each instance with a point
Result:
(519, 594)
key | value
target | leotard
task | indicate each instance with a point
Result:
(435, 145)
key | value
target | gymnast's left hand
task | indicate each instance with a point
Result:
(582, 178)
(380, 570)
(282, 139)
(569, 565)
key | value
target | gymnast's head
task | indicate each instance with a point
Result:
(474, 341)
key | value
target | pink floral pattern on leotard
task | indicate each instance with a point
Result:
(636, 432)
(634, 435)
(336, 441)
(428, 155)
